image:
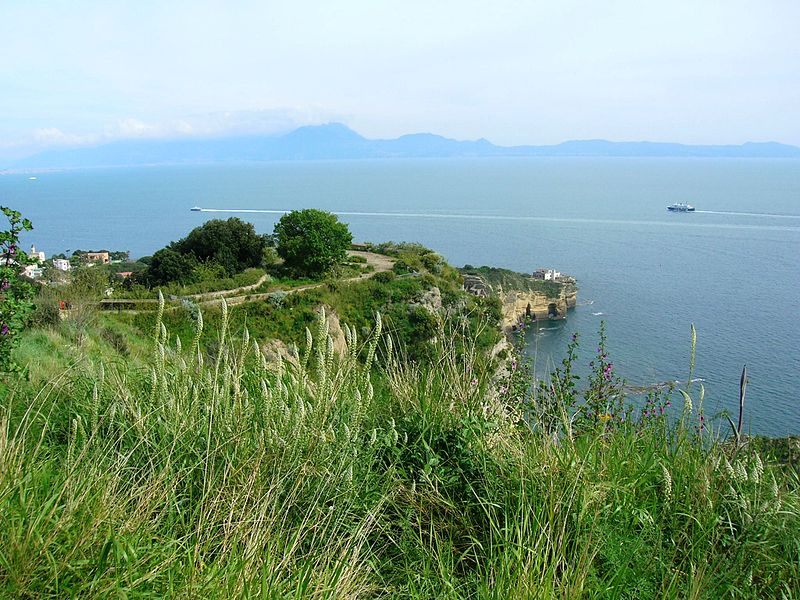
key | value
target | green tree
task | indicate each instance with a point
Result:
(167, 266)
(16, 294)
(312, 242)
(232, 244)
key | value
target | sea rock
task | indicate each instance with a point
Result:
(518, 305)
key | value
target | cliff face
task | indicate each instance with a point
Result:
(518, 304)
(521, 295)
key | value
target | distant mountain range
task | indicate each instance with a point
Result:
(337, 141)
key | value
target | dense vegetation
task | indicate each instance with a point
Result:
(170, 454)
(174, 471)
(215, 249)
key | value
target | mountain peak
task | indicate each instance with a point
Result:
(334, 130)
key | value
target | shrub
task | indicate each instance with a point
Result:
(384, 277)
(46, 313)
(16, 294)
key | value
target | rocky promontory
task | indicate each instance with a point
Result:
(523, 296)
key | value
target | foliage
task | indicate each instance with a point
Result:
(168, 265)
(270, 257)
(312, 242)
(188, 473)
(16, 294)
(218, 248)
(128, 266)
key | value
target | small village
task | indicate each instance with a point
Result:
(61, 263)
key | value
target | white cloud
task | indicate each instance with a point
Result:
(132, 128)
(52, 136)
(208, 125)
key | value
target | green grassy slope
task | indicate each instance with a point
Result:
(143, 461)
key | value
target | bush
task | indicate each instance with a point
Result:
(16, 294)
(384, 277)
(116, 340)
(46, 313)
(401, 267)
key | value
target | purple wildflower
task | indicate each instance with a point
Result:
(607, 371)
(4, 329)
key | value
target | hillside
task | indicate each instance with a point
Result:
(356, 439)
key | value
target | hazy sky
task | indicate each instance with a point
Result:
(701, 71)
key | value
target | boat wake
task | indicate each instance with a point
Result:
(747, 214)
(597, 314)
(514, 218)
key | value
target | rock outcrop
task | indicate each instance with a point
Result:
(430, 300)
(335, 331)
(522, 296)
(519, 305)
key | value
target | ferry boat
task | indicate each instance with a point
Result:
(198, 209)
(680, 207)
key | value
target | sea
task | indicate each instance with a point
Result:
(731, 269)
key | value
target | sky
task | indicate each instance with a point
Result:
(85, 72)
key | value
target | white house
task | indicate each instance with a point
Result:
(546, 274)
(32, 271)
(62, 264)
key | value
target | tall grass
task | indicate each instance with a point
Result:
(363, 475)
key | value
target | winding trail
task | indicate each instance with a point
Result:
(379, 262)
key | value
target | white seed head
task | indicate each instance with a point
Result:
(667, 483)
(740, 472)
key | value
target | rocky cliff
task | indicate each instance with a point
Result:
(537, 305)
(521, 295)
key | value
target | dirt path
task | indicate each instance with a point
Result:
(205, 296)
(379, 262)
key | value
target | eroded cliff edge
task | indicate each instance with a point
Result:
(522, 296)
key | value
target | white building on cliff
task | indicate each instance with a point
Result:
(546, 274)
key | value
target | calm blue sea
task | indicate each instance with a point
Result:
(731, 268)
